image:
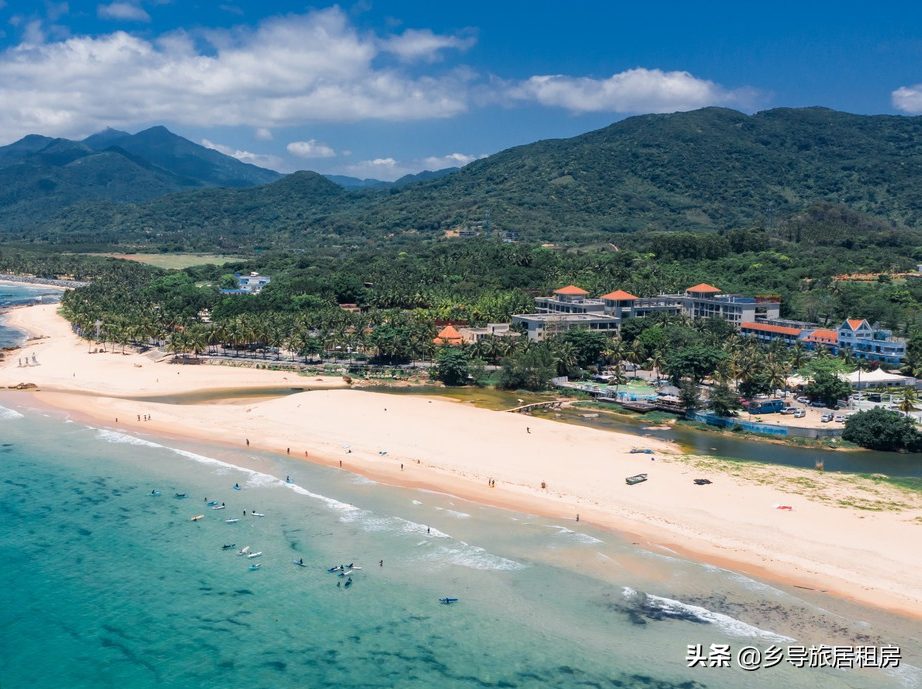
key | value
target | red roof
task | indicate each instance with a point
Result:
(765, 328)
(854, 323)
(448, 335)
(822, 335)
(703, 287)
(570, 289)
(619, 295)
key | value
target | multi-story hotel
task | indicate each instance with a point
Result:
(571, 307)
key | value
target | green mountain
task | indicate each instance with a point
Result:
(41, 176)
(701, 171)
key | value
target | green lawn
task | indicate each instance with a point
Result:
(176, 261)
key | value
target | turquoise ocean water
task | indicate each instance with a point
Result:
(105, 585)
(15, 294)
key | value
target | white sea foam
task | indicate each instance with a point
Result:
(9, 414)
(416, 502)
(454, 513)
(123, 438)
(471, 556)
(362, 480)
(577, 536)
(745, 581)
(726, 623)
(907, 675)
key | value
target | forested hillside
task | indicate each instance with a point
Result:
(709, 170)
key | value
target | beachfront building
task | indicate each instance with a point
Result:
(571, 307)
(770, 332)
(471, 335)
(871, 343)
(248, 284)
(448, 335)
(864, 341)
(821, 338)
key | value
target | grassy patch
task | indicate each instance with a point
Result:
(176, 261)
(866, 492)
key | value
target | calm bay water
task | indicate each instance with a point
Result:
(104, 584)
(16, 294)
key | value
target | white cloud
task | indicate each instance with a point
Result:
(451, 160)
(414, 44)
(310, 149)
(264, 134)
(122, 11)
(635, 90)
(390, 169)
(287, 71)
(908, 99)
(261, 159)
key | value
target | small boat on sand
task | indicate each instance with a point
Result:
(639, 451)
(637, 478)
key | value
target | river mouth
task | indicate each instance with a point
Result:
(221, 395)
(689, 440)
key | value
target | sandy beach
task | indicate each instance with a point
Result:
(830, 540)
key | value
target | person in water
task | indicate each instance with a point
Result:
(301, 561)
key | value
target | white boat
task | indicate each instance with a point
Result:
(218, 507)
(231, 521)
(257, 554)
(257, 514)
(244, 550)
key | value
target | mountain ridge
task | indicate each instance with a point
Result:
(708, 170)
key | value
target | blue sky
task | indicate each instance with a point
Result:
(381, 89)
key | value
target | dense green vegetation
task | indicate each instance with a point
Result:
(879, 429)
(41, 177)
(707, 171)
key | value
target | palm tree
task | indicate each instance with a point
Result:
(909, 399)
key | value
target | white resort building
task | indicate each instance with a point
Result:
(571, 307)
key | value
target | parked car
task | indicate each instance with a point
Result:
(839, 418)
(803, 400)
(817, 404)
(799, 414)
(826, 418)
(789, 410)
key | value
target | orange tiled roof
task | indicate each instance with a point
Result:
(619, 295)
(822, 335)
(765, 328)
(448, 335)
(703, 287)
(854, 323)
(570, 289)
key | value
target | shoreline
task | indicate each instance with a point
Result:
(46, 282)
(857, 555)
